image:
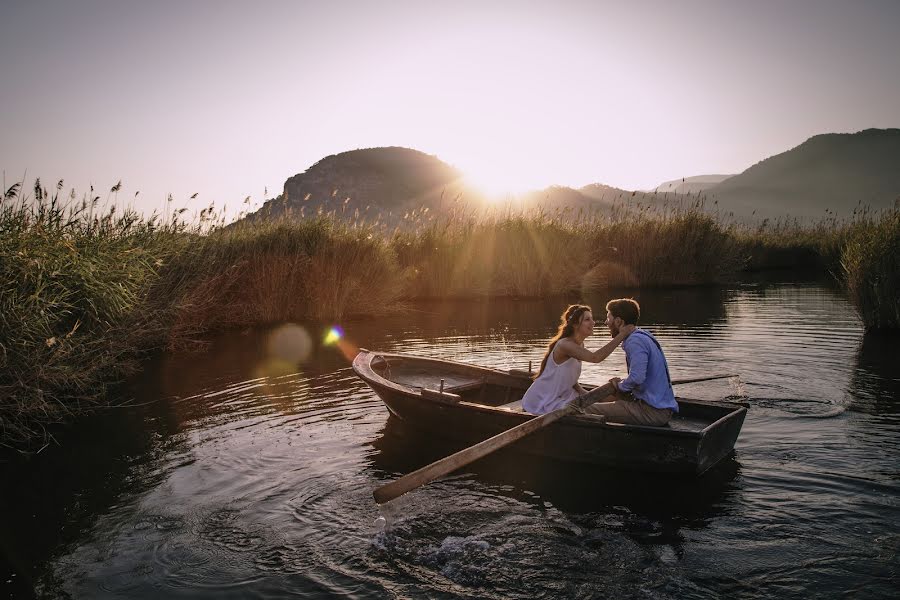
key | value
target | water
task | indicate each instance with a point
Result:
(247, 471)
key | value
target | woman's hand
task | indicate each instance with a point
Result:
(627, 329)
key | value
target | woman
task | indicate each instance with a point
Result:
(556, 383)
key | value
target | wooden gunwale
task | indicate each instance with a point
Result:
(362, 364)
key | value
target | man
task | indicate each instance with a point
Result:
(645, 397)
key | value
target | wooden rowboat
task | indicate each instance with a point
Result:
(470, 403)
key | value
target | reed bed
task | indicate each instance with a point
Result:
(73, 280)
(274, 272)
(549, 253)
(86, 288)
(871, 266)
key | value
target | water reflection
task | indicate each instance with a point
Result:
(694, 307)
(570, 487)
(53, 499)
(247, 470)
(875, 385)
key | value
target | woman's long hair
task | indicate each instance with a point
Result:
(568, 321)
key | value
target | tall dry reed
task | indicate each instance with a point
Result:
(871, 264)
(85, 287)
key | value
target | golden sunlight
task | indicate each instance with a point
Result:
(498, 184)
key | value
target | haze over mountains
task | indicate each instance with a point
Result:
(831, 171)
(834, 171)
(691, 185)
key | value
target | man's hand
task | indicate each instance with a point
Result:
(615, 380)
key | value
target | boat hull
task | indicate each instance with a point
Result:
(582, 438)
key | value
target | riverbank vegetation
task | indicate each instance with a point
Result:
(870, 261)
(87, 289)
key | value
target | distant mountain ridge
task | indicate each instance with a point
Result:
(388, 184)
(829, 171)
(834, 171)
(691, 185)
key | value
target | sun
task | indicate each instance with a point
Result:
(498, 184)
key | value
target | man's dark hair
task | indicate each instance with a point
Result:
(626, 309)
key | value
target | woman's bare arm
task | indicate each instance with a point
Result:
(570, 348)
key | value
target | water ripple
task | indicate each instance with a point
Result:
(255, 482)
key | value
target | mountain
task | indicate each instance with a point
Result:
(834, 171)
(392, 184)
(691, 185)
(368, 183)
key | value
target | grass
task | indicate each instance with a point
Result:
(274, 272)
(871, 266)
(84, 292)
(71, 288)
(86, 288)
(542, 254)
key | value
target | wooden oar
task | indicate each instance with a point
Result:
(441, 467)
(446, 465)
(710, 378)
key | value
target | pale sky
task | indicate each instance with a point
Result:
(228, 98)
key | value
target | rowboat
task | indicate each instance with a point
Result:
(470, 403)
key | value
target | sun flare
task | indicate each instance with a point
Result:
(498, 183)
(496, 186)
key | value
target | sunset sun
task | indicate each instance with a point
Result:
(498, 179)
(497, 185)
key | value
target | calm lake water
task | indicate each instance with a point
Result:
(247, 470)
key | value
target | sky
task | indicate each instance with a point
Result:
(229, 99)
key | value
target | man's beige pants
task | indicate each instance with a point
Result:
(623, 408)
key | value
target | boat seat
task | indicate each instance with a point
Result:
(513, 406)
(445, 396)
(468, 385)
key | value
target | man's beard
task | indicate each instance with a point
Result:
(613, 331)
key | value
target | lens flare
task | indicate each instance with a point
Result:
(290, 343)
(288, 347)
(334, 335)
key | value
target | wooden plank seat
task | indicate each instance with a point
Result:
(445, 396)
(451, 393)
(513, 406)
(462, 387)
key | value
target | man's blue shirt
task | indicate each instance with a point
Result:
(648, 374)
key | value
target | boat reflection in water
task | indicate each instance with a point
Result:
(649, 507)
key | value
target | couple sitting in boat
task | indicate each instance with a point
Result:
(645, 397)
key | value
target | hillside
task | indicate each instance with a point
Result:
(834, 171)
(691, 185)
(369, 183)
(386, 184)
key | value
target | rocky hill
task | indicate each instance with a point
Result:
(834, 171)
(367, 183)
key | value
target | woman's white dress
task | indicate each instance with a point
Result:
(554, 388)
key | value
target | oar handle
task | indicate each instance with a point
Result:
(446, 465)
(708, 378)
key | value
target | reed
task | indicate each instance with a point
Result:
(870, 260)
(548, 253)
(86, 288)
(73, 276)
(274, 272)
(803, 249)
